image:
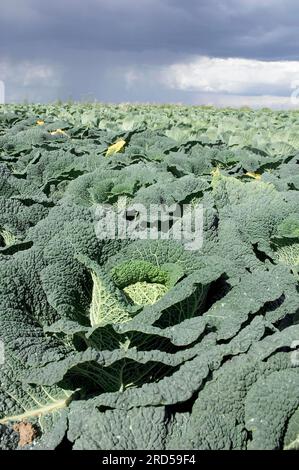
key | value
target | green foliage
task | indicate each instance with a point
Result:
(146, 344)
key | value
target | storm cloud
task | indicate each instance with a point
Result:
(128, 50)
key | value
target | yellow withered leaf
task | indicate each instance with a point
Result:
(40, 122)
(256, 176)
(114, 148)
(215, 172)
(58, 132)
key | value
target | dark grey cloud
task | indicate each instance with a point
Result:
(88, 41)
(226, 28)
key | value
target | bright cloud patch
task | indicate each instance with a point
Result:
(235, 76)
(28, 73)
(29, 80)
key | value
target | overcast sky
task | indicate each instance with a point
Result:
(222, 52)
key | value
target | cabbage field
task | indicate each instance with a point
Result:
(124, 343)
